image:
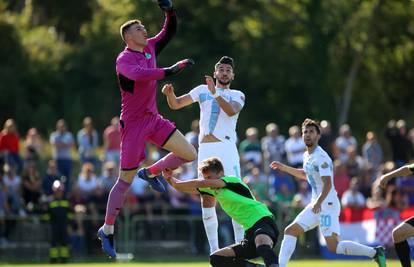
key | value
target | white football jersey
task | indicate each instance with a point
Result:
(213, 120)
(316, 165)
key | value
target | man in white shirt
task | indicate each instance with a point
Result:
(352, 198)
(219, 109)
(324, 209)
(294, 147)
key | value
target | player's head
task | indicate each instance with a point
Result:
(134, 33)
(224, 71)
(311, 132)
(211, 168)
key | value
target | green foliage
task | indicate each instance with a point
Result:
(292, 58)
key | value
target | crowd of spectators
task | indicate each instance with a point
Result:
(87, 165)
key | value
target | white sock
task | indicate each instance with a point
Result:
(286, 249)
(211, 226)
(238, 231)
(108, 229)
(355, 249)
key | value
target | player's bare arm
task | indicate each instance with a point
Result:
(173, 101)
(230, 108)
(299, 173)
(327, 185)
(402, 171)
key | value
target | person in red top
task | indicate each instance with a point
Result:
(112, 141)
(9, 144)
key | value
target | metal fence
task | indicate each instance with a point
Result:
(138, 237)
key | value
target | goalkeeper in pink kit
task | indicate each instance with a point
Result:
(140, 121)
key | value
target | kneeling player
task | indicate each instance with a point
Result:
(406, 228)
(239, 203)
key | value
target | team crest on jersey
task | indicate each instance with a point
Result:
(148, 55)
(316, 168)
(325, 165)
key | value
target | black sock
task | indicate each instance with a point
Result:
(268, 255)
(403, 252)
(223, 261)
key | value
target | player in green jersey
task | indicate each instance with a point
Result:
(239, 203)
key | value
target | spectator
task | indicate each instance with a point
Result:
(352, 198)
(13, 184)
(9, 145)
(87, 138)
(250, 148)
(89, 188)
(108, 178)
(401, 147)
(62, 143)
(143, 197)
(51, 176)
(395, 199)
(295, 147)
(277, 178)
(344, 140)
(4, 210)
(376, 200)
(112, 141)
(32, 188)
(33, 146)
(273, 146)
(406, 185)
(303, 197)
(341, 177)
(327, 140)
(192, 136)
(259, 184)
(283, 197)
(372, 154)
(355, 163)
(88, 182)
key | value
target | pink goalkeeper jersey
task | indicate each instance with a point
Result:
(138, 73)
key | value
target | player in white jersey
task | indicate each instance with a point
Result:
(325, 207)
(219, 109)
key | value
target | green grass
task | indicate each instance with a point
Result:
(304, 263)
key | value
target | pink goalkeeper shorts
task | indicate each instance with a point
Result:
(135, 133)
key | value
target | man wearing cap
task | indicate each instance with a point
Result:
(219, 109)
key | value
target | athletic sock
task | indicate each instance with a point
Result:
(268, 255)
(115, 201)
(286, 250)
(170, 161)
(108, 229)
(238, 232)
(355, 249)
(211, 226)
(403, 252)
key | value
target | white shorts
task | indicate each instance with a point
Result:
(327, 219)
(227, 153)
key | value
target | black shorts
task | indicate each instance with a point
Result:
(247, 248)
(410, 221)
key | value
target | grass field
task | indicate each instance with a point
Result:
(304, 263)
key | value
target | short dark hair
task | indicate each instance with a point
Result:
(126, 25)
(309, 123)
(211, 164)
(225, 60)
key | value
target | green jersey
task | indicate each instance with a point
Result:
(238, 202)
(411, 167)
